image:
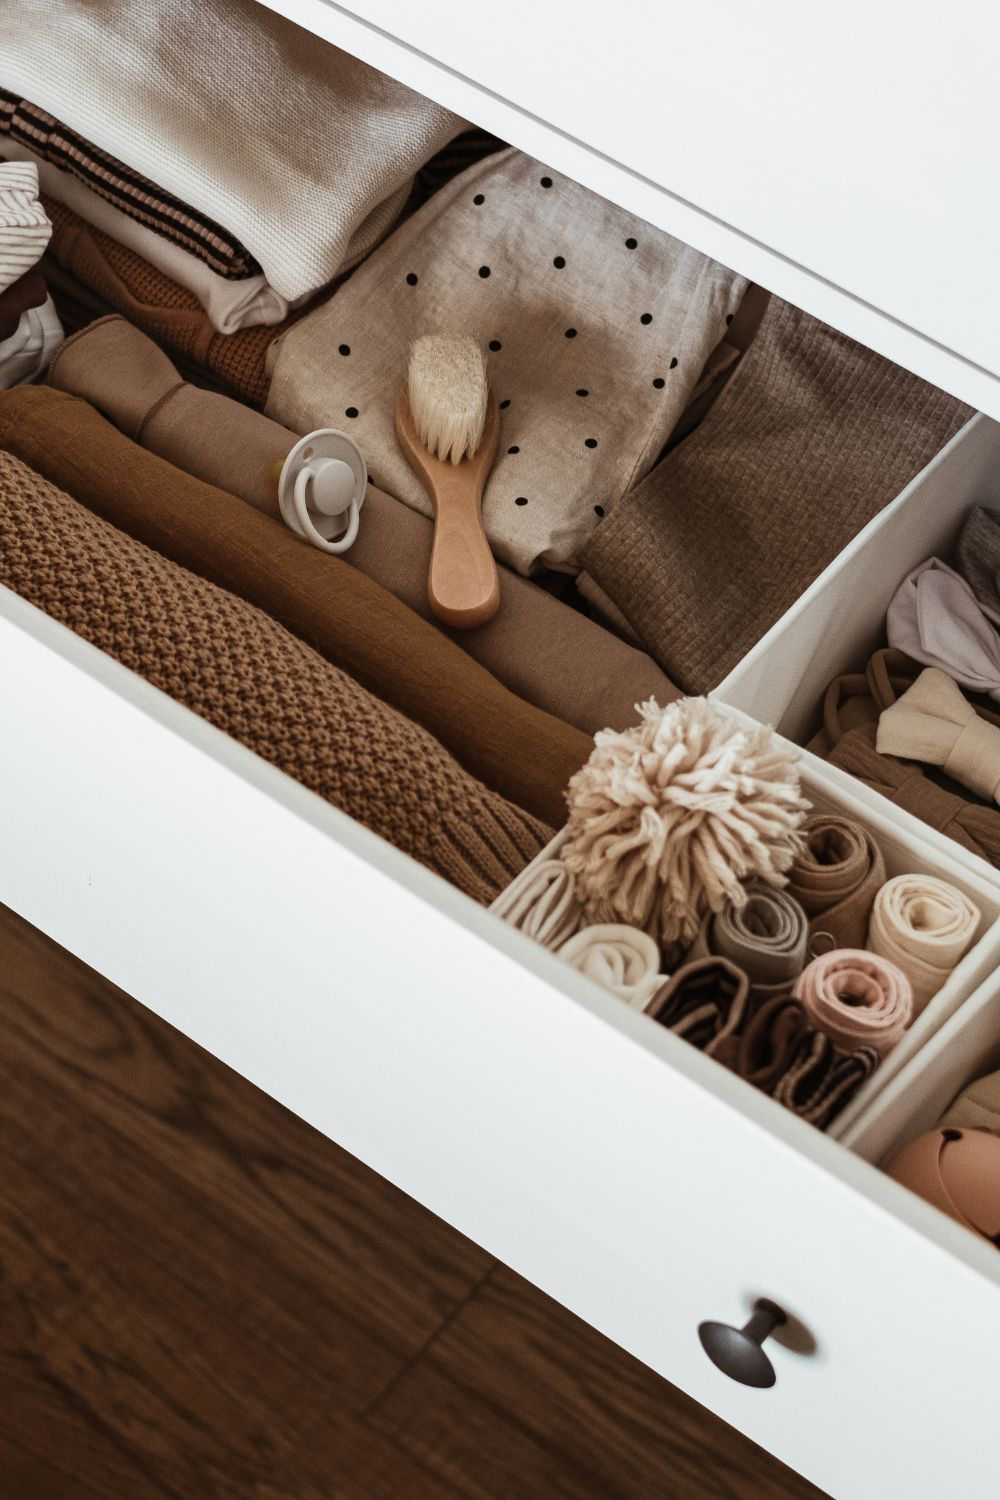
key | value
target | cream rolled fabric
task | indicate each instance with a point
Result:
(541, 904)
(857, 999)
(621, 959)
(934, 723)
(924, 926)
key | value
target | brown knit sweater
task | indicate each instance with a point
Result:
(245, 673)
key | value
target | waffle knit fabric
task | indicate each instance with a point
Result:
(303, 152)
(236, 667)
(811, 438)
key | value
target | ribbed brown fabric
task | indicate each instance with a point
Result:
(236, 667)
(519, 751)
(811, 438)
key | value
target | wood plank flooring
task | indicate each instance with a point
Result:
(201, 1298)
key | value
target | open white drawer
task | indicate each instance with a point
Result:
(609, 1162)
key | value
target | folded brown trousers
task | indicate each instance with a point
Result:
(516, 749)
(540, 648)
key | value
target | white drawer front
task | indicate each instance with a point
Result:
(781, 139)
(613, 1165)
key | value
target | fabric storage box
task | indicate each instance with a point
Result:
(598, 1155)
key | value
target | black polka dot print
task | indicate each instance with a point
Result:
(571, 333)
(484, 271)
(630, 243)
(582, 392)
(515, 449)
(559, 262)
(504, 405)
(345, 349)
(496, 345)
(351, 411)
(479, 200)
(412, 279)
(590, 442)
(646, 318)
(598, 510)
(521, 500)
(659, 383)
(546, 183)
(673, 363)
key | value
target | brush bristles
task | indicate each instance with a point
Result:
(448, 393)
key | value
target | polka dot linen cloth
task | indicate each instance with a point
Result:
(595, 328)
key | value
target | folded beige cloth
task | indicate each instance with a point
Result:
(935, 617)
(595, 326)
(545, 651)
(540, 902)
(934, 723)
(621, 959)
(977, 1106)
(924, 926)
(856, 999)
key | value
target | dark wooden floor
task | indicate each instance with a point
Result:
(201, 1297)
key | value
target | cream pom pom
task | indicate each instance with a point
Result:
(669, 818)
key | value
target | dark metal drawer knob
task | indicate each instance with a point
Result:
(737, 1352)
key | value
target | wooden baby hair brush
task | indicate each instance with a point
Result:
(449, 429)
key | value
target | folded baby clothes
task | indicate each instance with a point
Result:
(812, 437)
(767, 938)
(771, 1041)
(230, 304)
(619, 958)
(978, 558)
(543, 650)
(933, 723)
(856, 999)
(835, 880)
(525, 754)
(820, 1080)
(305, 154)
(707, 1003)
(541, 904)
(595, 328)
(233, 665)
(30, 347)
(935, 618)
(925, 926)
(977, 1106)
(24, 225)
(26, 292)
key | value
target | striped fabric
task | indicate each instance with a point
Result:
(128, 191)
(24, 227)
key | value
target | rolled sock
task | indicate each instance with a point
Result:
(767, 937)
(619, 958)
(924, 926)
(540, 902)
(706, 1003)
(836, 879)
(771, 1041)
(856, 999)
(820, 1079)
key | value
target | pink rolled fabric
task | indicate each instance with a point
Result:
(856, 998)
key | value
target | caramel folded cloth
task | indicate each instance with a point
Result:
(821, 1080)
(540, 902)
(977, 1106)
(235, 666)
(935, 618)
(835, 880)
(619, 958)
(811, 438)
(540, 648)
(925, 927)
(978, 558)
(856, 999)
(850, 712)
(935, 724)
(516, 749)
(706, 1002)
(767, 937)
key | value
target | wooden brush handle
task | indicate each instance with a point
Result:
(463, 587)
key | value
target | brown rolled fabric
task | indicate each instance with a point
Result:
(849, 741)
(771, 1041)
(820, 1081)
(723, 536)
(235, 666)
(20, 297)
(836, 879)
(516, 749)
(540, 648)
(705, 1002)
(767, 937)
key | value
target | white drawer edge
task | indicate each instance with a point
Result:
(54, 660)
(652, 201)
